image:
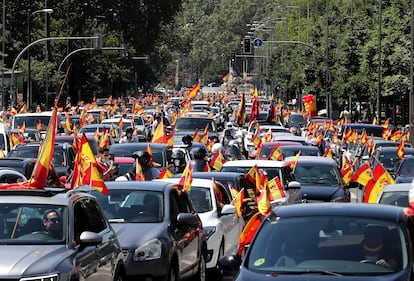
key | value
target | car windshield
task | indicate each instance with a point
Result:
(191, 124)
(31, 121)
(161, 156)
(201, 199)
(332, 245)
(271, 171)
(318, 175)
(24, 224)
(132, 206)
(32, 152)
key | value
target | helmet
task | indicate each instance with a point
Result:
(178, 154)
(200, 153)
(129, 130)
(143, 157)
(234, 143)
(217, 146)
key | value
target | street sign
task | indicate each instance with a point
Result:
(257, 42)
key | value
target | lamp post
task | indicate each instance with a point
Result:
(30, 15)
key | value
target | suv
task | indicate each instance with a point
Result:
(52, 234)
(63, 157)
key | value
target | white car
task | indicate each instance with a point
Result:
(220, 221)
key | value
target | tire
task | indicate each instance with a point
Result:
(217, 273)
(173, 273)
(201, 273)
(119, 276)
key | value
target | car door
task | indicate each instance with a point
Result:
(232, 225)
(94, 261)
(186, 236)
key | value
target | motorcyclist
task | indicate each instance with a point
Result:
(232, 151)
(226, 138)
(148, 170)
(178, 162)
(200, 162)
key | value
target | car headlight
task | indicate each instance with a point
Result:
(150, 250)
(209, 230)
(50, 277)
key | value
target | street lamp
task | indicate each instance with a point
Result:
(30, 15)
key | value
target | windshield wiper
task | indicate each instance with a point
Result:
(319, 272)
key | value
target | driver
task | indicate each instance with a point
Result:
(52, 223)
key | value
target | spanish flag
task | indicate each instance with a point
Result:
(186, 178)
(89, 176)
(38, 179)
(263, 200)
(217, 190)
(159, 134)
(165, 174)
(277, 153)
(22, 128)
(294, 161)
(139, 175)
(217, 160)
(238, 202)
(346, 170)
(194, 91)
(15, 139)
(276, 188)
(400, 150)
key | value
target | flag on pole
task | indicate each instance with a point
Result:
(186, 178)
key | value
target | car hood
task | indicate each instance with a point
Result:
(24, 260)
(246, 275)
(130, 235)
(320, 192)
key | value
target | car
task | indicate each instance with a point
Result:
(92, 128)
(69, 139)
(288, 149)
(29, 135)
(337, 245)
(320, 181)
(395, 194)
(63, 156)
(161, 152)
(220, 221)
(188, 125)
(404, 171)
(116, 121)
(31, 119)
(296, 120)
(272, 168)
(388, 157)
(10, 175)
(99, 113)
(263, 153)
(161, 236)
(55, 234)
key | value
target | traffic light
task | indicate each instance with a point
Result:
(233, 58)
(247, 45)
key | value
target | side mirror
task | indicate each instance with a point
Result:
(293, 185)
(187, 219)
(229, 263)
(90, 238)
(228, 210)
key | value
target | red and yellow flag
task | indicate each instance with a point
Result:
(277, 153)
(86, 168)
(263, 200)
(165, 174)
(186, 178)
(217, 190)
(381, 178)
(139, 175)
(217, 160)
(400, 150)
(15, 139)
(194, 91)
(346, 170)
(294, 161)
(276, 188)
(196, 136)
(362, 175)
(251, 174)
(159, 134)
(38, 179)
(22, 128)
(149, 150)
(328, 152)
(238, 202)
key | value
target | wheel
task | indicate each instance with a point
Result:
(173, 273)
(218, 273)
(201, 273)
(119, 277)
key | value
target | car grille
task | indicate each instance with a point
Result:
(124, 252)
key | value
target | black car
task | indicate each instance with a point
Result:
(161, 152)
(55, 234)
(320, 181)
(329, 241)
(161, 235)
(63, 156)
(388, 157)
(404, 171)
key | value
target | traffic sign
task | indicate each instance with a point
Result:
(257, 42)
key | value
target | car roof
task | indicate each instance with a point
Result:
(319, 160)
(386, 212)
(141, 185)
(251, 163)
(397, 187)
(282, 143)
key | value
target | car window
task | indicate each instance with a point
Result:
(332, 244)
(321, 175)
(133, 206)
(395, 198)
(87, 217)
(201, 198)
(23, 224)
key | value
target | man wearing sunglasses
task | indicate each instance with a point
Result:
(51, 221)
